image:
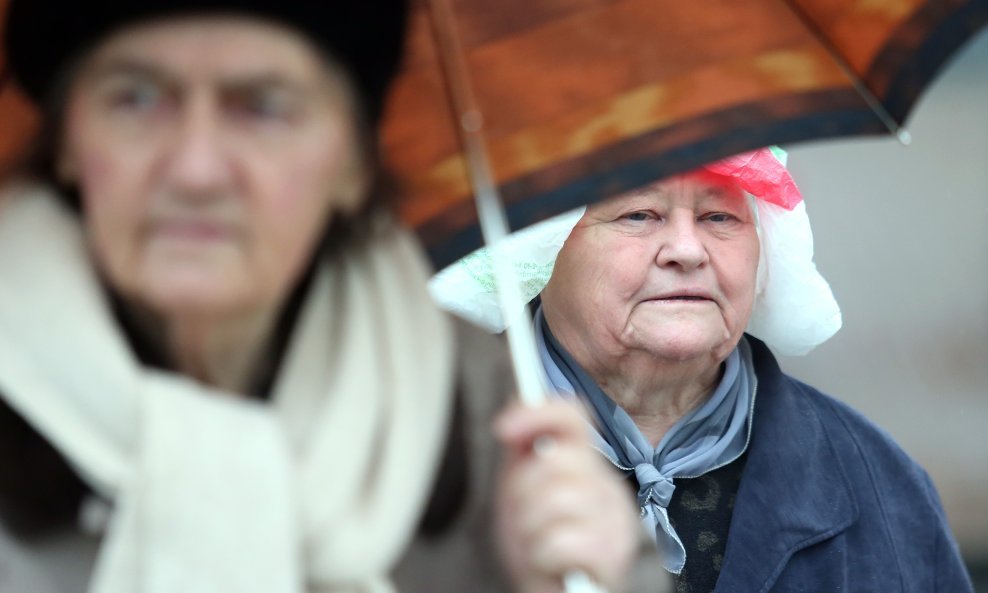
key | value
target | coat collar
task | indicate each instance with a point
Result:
(794, 491)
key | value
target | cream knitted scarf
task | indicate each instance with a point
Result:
(320, 490)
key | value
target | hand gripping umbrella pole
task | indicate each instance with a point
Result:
(529, 374)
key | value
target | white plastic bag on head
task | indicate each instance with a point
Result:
(794, 309)
(467, 287)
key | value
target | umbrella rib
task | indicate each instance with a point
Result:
(900, 132)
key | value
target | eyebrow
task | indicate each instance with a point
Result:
(237, 83)
(720, 192)
(641, 197)
(125, 67)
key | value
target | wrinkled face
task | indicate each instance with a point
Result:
(668, 270)
(209, 153)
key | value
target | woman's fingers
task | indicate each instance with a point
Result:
(563, 508)
(565, 548)
(519, 426)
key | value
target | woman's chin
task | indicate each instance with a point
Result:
(195, 295)
(688, 344)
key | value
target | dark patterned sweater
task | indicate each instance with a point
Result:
(701, 510)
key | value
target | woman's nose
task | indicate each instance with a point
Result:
(681, 245)
(198, 163)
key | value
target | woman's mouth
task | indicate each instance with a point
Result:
(685, 295)
(192, 231)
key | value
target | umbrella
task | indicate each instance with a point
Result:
(582, 99)
(558, 103)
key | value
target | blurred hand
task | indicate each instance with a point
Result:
(561, 508)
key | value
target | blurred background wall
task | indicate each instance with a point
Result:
(901, 233)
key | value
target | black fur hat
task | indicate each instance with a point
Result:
(365, 36)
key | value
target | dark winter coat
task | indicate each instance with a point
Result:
(828, 502)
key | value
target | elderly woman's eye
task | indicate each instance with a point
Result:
(639, 216)
(264, 106)
(137, 96)
(720, 217)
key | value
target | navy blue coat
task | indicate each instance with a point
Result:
(827, 502)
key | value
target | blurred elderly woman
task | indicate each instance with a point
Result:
(219, 367)
(749, 480)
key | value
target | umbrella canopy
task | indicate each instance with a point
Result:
(584, 99)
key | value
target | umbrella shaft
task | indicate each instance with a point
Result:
(532, 382)
(529, 374)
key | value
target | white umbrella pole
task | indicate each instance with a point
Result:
(529, 374)
(490, 212)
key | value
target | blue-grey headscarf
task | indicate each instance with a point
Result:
(709, 437)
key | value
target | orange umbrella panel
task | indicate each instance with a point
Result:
(17, 118)
(582, 99)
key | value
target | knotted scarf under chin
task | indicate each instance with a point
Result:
(711, 436)
(320, 490)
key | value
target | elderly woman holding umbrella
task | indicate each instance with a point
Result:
(659, 315)
(219, 367)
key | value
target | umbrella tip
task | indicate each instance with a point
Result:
(904, 137)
